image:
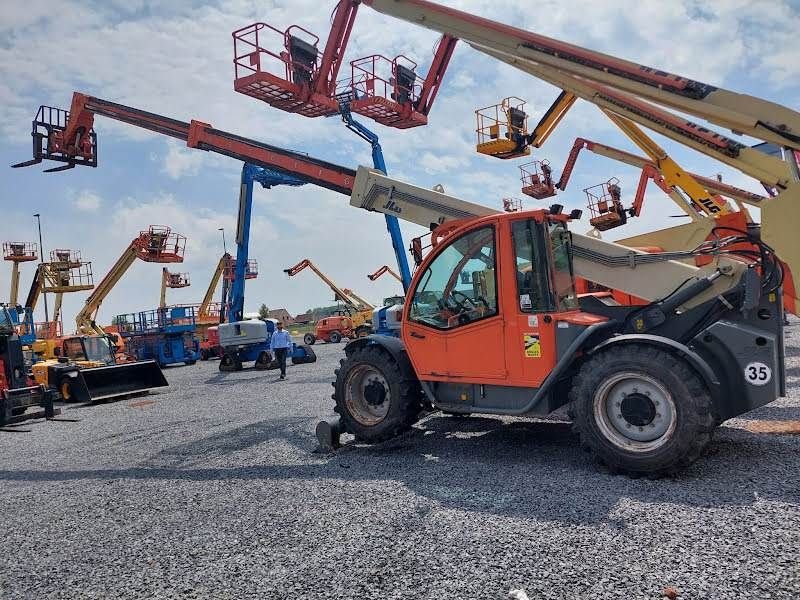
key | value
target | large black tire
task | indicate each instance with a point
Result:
(230, 362)
(263, 360)
(665, 416)
(335, 337)
(309, 339)
(375, 400)
(309, 357)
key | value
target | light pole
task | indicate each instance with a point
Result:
(224, 247)
(41, 261)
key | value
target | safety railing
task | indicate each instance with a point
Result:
(172, 319)
(66, 277)
(69, 259)
(537, 179)
(250, 269)
(20, 251)
(160, 244)
(260, 47)
(48, 330)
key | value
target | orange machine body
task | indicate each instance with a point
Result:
(510, 348)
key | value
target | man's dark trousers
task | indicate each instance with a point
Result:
(280, 356)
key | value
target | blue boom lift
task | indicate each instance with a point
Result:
(382, 320)
(248, 341)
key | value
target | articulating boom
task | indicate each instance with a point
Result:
(384, 269)
(158, 244)
(344, 295)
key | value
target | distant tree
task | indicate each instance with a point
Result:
(263, 312)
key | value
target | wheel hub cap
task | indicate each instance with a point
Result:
(367, 395)
(635, 411)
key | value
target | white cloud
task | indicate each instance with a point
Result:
(181, 161)
(87, 201)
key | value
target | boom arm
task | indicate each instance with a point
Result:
(712, 185)
(85, 320)
(381, 271)
(342, 294)
(74, 142)
(212, 286)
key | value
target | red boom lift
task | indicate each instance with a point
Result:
(286, 70)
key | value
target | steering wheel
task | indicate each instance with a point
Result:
(462, 304)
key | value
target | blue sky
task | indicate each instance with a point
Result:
(177, 61)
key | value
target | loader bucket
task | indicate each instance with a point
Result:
(123, 379)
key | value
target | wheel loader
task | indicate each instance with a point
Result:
(98, 375)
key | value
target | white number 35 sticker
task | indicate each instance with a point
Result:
(757, 373)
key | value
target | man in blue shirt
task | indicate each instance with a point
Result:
(281, 345)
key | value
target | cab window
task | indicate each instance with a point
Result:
(460, 286)
(533, 290)
(563, 276)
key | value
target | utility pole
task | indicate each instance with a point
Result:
(41, 261)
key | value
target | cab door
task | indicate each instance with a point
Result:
(453, 328)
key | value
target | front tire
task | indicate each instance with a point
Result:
(374, 399)
(230, 362)
(309, 339)
(642, 410)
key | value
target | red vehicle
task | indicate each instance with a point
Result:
(331, 329)
(209, 347)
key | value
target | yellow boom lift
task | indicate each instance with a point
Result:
(16, 253)
(171, 281)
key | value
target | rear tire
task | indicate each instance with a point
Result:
(374, 399)
(204, 354)
(363, 331)
(309, 339)
(642, 410)
(335, 337)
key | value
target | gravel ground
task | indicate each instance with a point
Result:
(212, 489)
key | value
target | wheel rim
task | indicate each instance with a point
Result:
(368, 396)
(635, 412)
(65, 391)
